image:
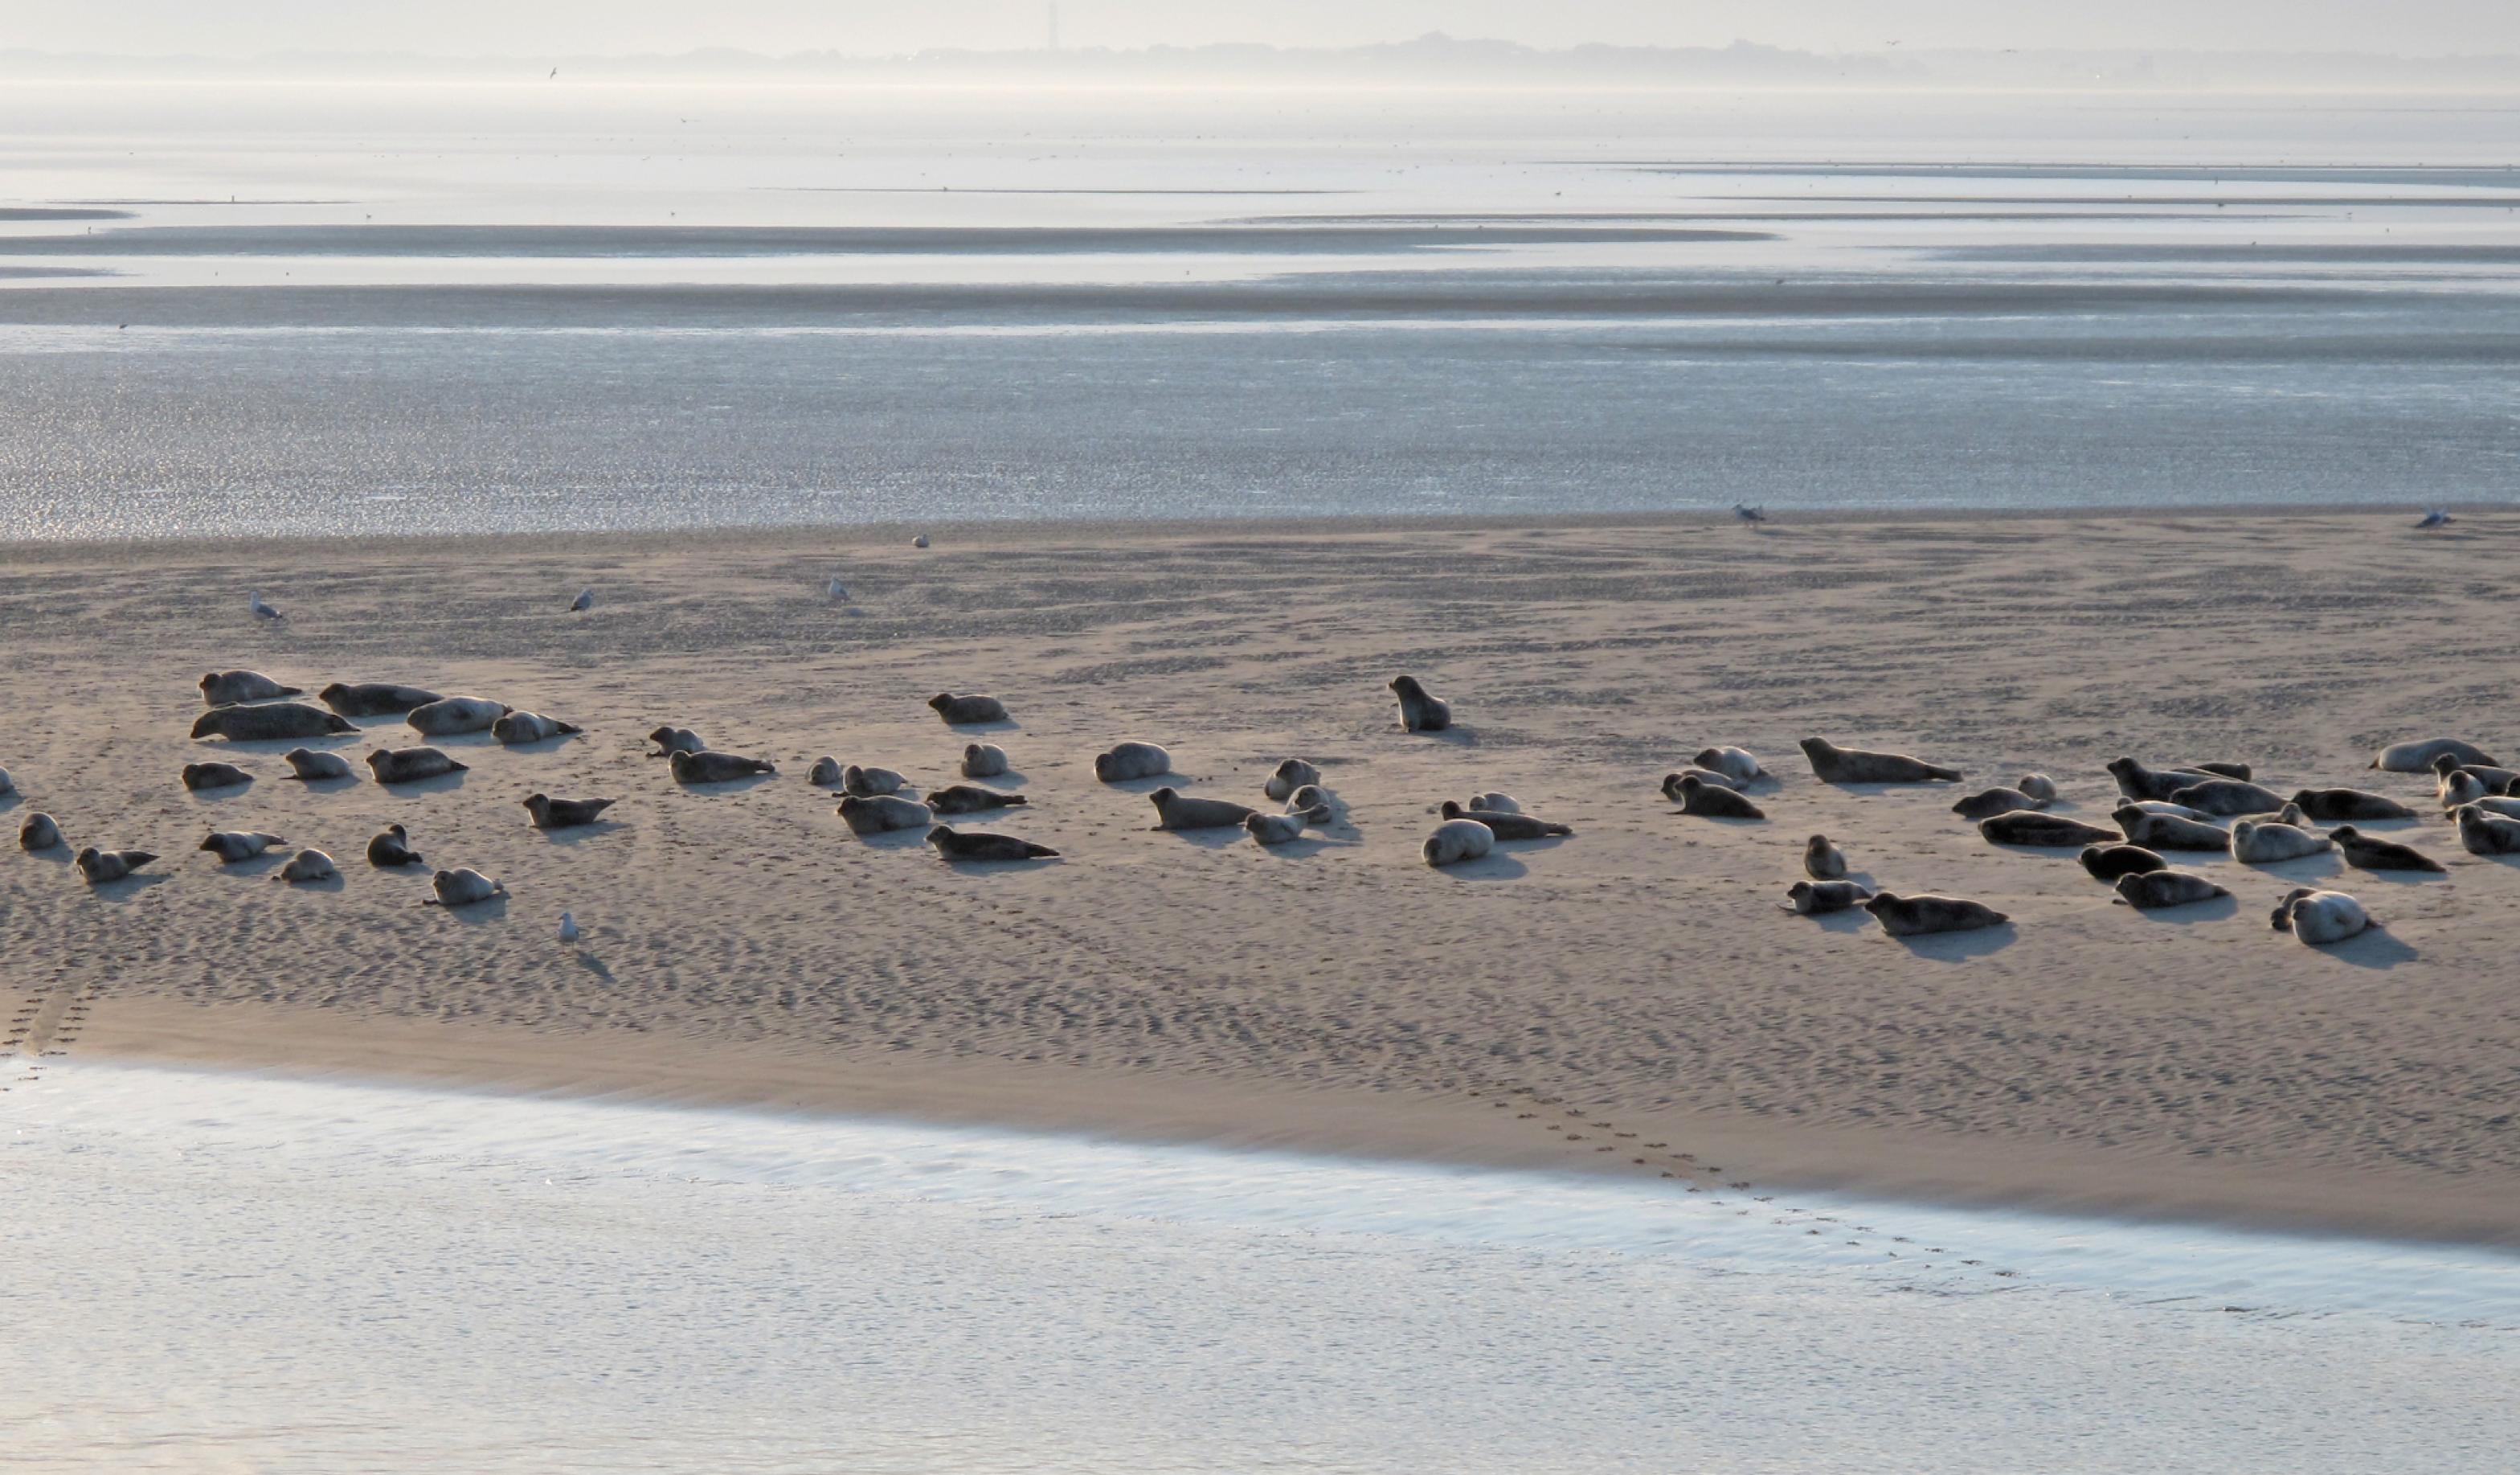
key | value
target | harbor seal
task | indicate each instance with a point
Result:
(40, 831)
(2363, 852)
(199, 776)
(226, 688)
(2226, 797)
(1670, 781)
(2349, 804)
(391, 848)
(1734, 763)
(1278, 829)
(971, 799)
(2156, 890)
(463, 887)
(2417, 756)
(101, 866)
(2163, 807)
(2030, 827)
(307, 765)
(979, 844)
(1176, 811)
(271, 722)
(2040, 787)
(1811, 899)
(2320, 916)
(1456, 840)
(308, 865)
(2107, 862)
(2170, 832)
(410, 766)
(2503, 805)
(1986, 803)
(962, 712)
(826, 772)
(1851, 766)
(1503, 803)
(2482, 833)
(2496, 780)
(1698, 797)
(453, 717)
(2272, 841)
(1290, 775)
(672, 740)
(866, 782)
(1513, 826)
(233, 845)
(983, 761)
(1915, 916)
(2460, 787)
(1822, 861)
(1420, 710)
(376, 699)
(551, 813)
(2136, 781)
(711, 766)
(2222, 770)
(517, 728)
(1124, 762)
(1315, 797)
(878, 813)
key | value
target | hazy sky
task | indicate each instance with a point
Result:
(534, 27)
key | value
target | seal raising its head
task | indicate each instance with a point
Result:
(1420, 710)
(964, 710)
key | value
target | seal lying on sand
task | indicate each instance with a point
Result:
(1176, 811)
(826, 773)
(2224, 796)
(1734, 763)
(2363, 852)
(878, 813)
(40, 831)
(2486, 834)
(198, 776)
(452, 716)
(101, 866)
(2496, 780)
(376, 699)
(711, 766)
(1671, 782)
(1290, 775)
(1813, 898)
(463, 887)
(1420, 710)
(273, 723)
(1986, 803)
(2029, 827)
(2040, 787)
(2461, 786)
(1698, 797)
(1124, 762)
(2136, 781)
(223, 688)
(307, 765)
(1456, 840)
(962, 711)
(2170, 832)
(410, 766)
(2271, 842)
(2417, 756)
(1823, 862)
(1850, 765)
(978, 845)
(672, 740)
(2320, 916)
(971, 799)
(983, 761)
(2155, 891)
(308, 865)
(516, 728)
(233, 845)
(2349, 804)
(2107, 862)
(1915, 916)
(1278, 829)
(551, 813)
(390, 849)
(1510, 826)
(864, 781)
(1503, 803)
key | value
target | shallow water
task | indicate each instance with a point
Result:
(295, 1274)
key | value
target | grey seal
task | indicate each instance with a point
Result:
(2271, 842)
(2417, 756)
(307, 765)
(826, 772)
(1456, 840)
(1850, 765)
(2320, 916)
(672, 740)
(2107, 862)
(711, 766)
(1671, 782)
(1734, 763)
(1420, 710)
(865, 782)
(391, 848)
(1124, 762)
(551, 813)
(877, 813)
(1289, 776)
(268, 723)
(2029, 827)
(2363, 852)
(410, 766)
(1698, 797)
(1986, 803)
(2226, 797)
(198, 776)
(308, 865)
(1510, 826)
(2170, 832)
(1278, 829)
(453, 717)
(233, 845)
(225, 688)
(2486, 834)
(971, 799)
(101, 866)
(1813, 898)
(1915, 916)
(1822, 861)
(376, 699)
(463, 887)
(2155, 891)
(2349, 804)
(516, 728)
(1176, 811)
(40, 831)
(983, 761)
(964, 710)
(978, 845)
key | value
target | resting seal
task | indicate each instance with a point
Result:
(516, 728)
(711, 766)
(2136, 781)
(101, 866)
(2226, 797)
(308, 865)
(38, 833)
(1986, 803)
(1670, 781)
(551, 813)
(2107, 862)
(310, 767)
(1915, 916)
(1278, 829)
(1127, 761)
(1176, 811)
(197, 777)
(2487, 834)
(1822, 861)
(983, 761)
(954, 845)
(2363, 852)
(233, 845)
(225, 688)
(1811, 899)
(1698, 797)
(2270, 842)
(877, 813)
(2496, 780)
(1510, 826)
(2460, 787)
(826, 772)
(410, 766)
(2040, 787)
(375, 699)
(672, 740)
(2029, 827)
(2349, 804)
(269, 723)
(2170, 832)
(2153, 891)
(2320, 916)
(1290, 775)
(2417, 757)
(388, 849)
(1734, 763)
(462, 887)
(962, 711)
(866, 782)
(1456, 840)
(971, 799)
(452, 716)
(1503, 803)
(1420, 710)
(1849, 766)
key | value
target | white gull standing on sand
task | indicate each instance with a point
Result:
(568, 928)
(261, 611)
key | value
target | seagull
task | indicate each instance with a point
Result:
(568, 928)
(836, 589)
(261, 611)
(584, 601)
(1749, 514)
(2436, 518)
